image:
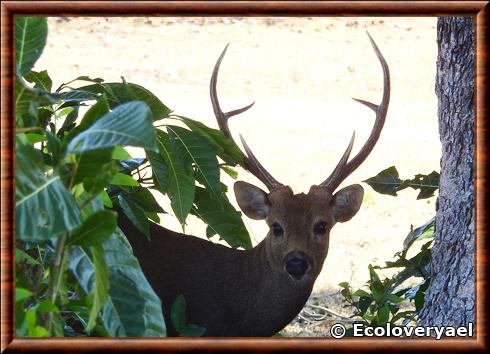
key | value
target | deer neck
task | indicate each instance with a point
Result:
(277, 299)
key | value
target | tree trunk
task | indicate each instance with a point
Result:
(450, 298)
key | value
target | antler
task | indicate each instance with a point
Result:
(344, 168)
(250, 162)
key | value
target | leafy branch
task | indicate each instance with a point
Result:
(389, 182)
(76, 274)
(382, 300)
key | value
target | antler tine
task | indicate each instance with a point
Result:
(222, 117)
(337, 172)
(343, 168)
(256, 168)
(250, 161)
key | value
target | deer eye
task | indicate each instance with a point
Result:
(320, 228)
(277, 229)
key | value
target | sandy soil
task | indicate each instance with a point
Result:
(301, 72)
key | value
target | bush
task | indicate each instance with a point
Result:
(75, 272)
(398, 299)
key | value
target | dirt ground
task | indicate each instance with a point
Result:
(301, 73)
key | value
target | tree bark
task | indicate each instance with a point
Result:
(450, 298)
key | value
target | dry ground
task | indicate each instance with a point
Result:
(301, 72)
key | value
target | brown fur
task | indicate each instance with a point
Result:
(240, 292)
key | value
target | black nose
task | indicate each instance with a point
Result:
(296, 264)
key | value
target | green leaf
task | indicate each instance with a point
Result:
(202, 156)
(22, 257)
(385, 182)
(376, 286)
(377, 291)
(422, 232)
(427, 184)
(97, 228)
(181, 188)
(178, 318)
(71, 113)
(44, 207)
(144, 199)
(177, 313)
(104, 197)
(120, 153)
(47, 306)
(97, 80)
(159, 171)
(30, 39)
(93, 168)
(101, 288)
(361, 292)
(118, 93)
(23, 99)
(75, 96)
(30, 321)
(91, 164)
(402, 314)
(41, 80)
(344, 285)
(128, 124)
(64, 112)
(135, 214)
(97, 111)
(121, 179)
(133, 309)
(96, 184)
(222, 218)
(346, 293)
(153, 216)
(394, 299)
(388, 182)
(373, 276)
(55, 148)
(34, 138)
(21, 294)
(27, 106)
(225, 148)
(383, 314)
(191, 330)
(230, 171)
(419, 299)
(38, 332)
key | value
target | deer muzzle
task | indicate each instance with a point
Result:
(297, 264)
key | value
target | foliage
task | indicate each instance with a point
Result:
(388, 182)
(178, 318)
(75, 271)
(387, 300)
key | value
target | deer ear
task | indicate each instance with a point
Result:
(346, 202)
(252, 200)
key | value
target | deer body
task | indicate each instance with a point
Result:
(259, 291)
(244, 292)
(218, 291)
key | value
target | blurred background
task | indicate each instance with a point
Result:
(301, 73)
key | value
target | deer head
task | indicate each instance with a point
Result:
(298, 240)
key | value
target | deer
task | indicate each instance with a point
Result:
(256, 292)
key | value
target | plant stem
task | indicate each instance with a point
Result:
(86, 202)
(29, 129)
(74, 172)
(54, 276)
